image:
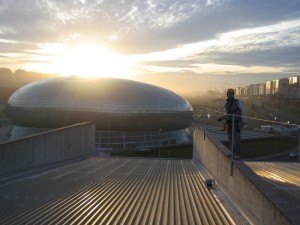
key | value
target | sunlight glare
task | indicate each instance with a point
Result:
(83, 60)
(93, 61)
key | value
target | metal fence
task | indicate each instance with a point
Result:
(261, 138)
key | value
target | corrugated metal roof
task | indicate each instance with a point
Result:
(112, 190)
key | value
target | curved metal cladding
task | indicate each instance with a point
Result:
(114, 104)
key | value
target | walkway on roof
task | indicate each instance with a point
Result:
(108, 190)
(284, 189)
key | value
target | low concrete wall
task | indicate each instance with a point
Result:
(244, 185)
(48, 147)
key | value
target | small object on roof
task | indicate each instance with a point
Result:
(209, 183)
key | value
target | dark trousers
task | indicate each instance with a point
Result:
(236, 139)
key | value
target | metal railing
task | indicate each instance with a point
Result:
(262, 138)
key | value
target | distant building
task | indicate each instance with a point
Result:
(262, 89)
(245, 91)
(238, 91)
(284, 86)
(253, 89)
(281, 86)
(269, 87)
(294, 80)
(294, 91)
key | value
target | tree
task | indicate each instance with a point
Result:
(5, 75)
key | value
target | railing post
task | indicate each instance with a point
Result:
(159, 143)
(232, 144)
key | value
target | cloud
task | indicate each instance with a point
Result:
(275, 45)
(137, 25)
(180, 36)
(207, 22)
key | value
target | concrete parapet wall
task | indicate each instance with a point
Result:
(48, 147)
(244, 185)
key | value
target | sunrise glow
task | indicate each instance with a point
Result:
(83, 60)
(190, 45)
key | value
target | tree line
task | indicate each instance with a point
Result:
(20, 77)
(10, 81)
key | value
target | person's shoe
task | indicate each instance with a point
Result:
(236, 156)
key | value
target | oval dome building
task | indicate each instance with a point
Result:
(120, 108)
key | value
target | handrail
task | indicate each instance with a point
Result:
(253, 118)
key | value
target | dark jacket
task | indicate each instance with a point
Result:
(232, 107)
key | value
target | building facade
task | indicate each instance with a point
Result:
(284, 86)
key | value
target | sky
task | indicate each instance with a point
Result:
(182, 45)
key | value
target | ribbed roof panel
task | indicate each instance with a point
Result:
(112, 191)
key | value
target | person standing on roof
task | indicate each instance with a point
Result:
(236, 107)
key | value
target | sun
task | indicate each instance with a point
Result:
(93, 61)
(88, 60)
